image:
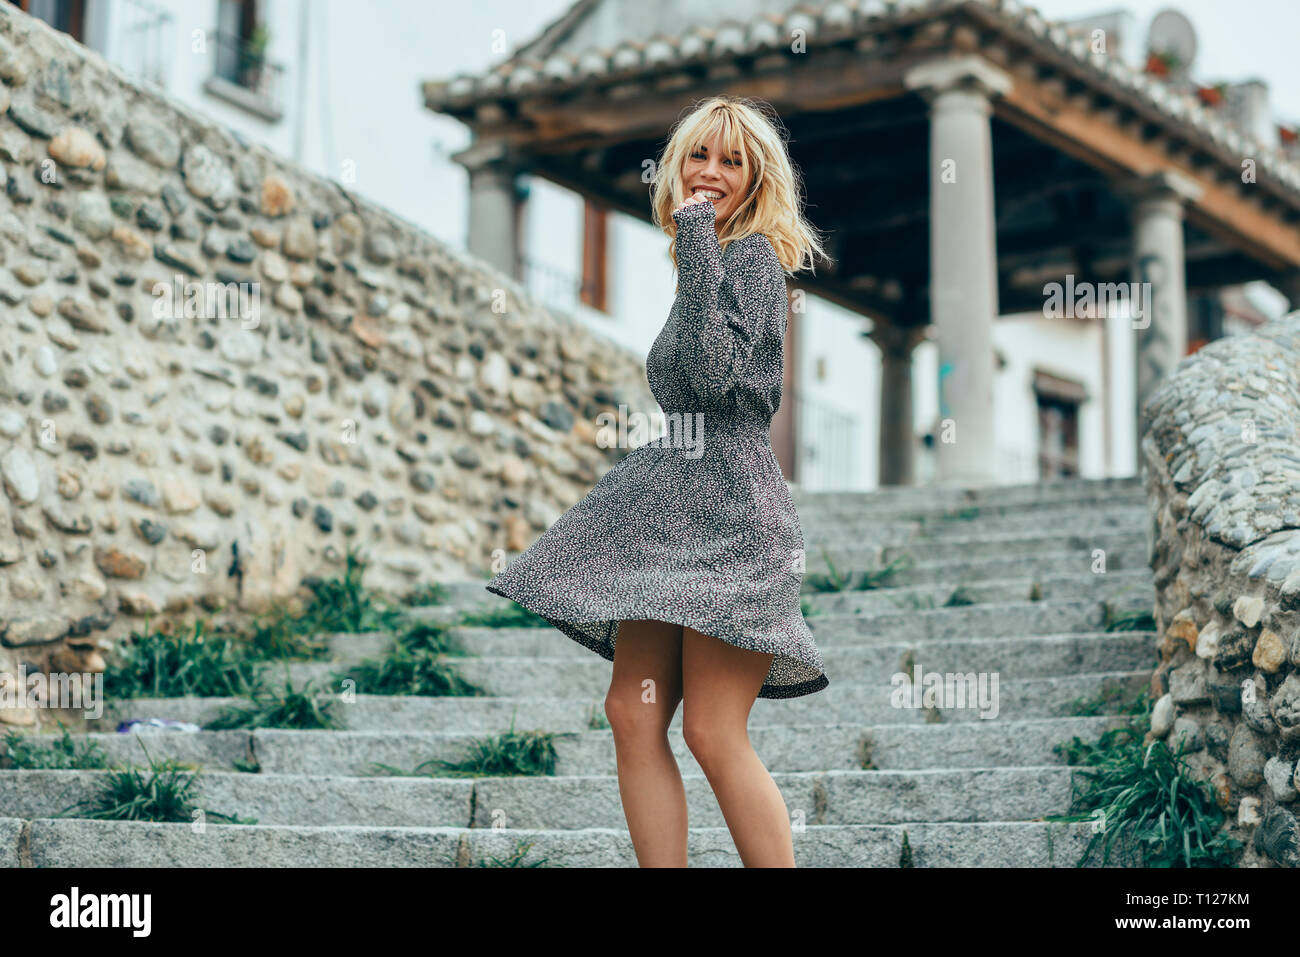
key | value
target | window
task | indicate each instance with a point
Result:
(1058, 425)
(241, 72)
(66, 15)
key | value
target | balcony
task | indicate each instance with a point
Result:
(242, 75)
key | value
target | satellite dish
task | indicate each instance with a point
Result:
(1171, 36)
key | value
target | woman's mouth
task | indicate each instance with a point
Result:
(712, 195)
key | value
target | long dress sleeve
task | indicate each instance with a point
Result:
(723, 311)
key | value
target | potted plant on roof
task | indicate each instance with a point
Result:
(1212, 95)
(1162, 62)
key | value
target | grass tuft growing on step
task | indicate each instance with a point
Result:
(415, 665)
(19, 752)
(281, 707)
(161, 793)
(200, 660)
(1139, 619)
(193, 661)
(1145, 802)
(1117, 699)
(425, 596)
(346, 605)
(516, 859)
(960, 596)
(513, 617)
(512, 754)
(832, 580)
(596, 720)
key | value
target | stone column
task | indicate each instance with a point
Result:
(1289, 286)
(897, 443)
(493, 206)
(1160, 315)
(963, 259)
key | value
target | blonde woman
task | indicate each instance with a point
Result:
(683, 563)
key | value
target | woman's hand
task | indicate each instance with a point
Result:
(693, 200)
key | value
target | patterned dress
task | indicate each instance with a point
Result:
(696, 527)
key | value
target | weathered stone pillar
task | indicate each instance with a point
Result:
(963, 259)
(1289, 286)
(897, 444)
(493, 206)
(1160, 321)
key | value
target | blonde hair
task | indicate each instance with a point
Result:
(772, 205)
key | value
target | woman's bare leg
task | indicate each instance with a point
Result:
(643, 696)
(720, 684)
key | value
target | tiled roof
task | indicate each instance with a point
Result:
(556, 61)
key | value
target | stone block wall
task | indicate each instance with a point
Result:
(218, 372)
(1221, 446)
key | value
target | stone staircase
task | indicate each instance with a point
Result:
(868, 784)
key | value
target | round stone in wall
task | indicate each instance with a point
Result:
(18, 471)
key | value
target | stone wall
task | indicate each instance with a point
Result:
(218, 372)
(1221, 444)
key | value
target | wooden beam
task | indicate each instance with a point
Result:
(1091, 139)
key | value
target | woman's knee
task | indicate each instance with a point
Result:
(711, 740)
(629, 713)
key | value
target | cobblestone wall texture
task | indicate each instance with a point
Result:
(218, 372)
(1221, 446)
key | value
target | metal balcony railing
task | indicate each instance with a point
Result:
(828, 442)
(246, 67)
(143, 41)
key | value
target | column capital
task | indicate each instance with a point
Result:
(490, 156)
(968, 72)
(897, 341)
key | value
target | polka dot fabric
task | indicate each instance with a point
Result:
(697, 527)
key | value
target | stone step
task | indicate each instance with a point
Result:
(80, 843)
(566, 802)
(989, 547)
(1135, 587)
(1135, 584)
(849, 528)
(938, 496)
(840, 702)
(1009, 619)
(973, 566)
(553, 664)
(852, 626)
(790, 748)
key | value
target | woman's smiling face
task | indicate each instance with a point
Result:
(719, 178)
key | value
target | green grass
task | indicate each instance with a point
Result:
(513, 617)
(1145, 801)
(281, 707)
(425, 595)
(162, 793)
(415, 664)
(832, 580)
(346, 605)
(1113, 700)
(512, 754)
(193, 661)
(20, 752)
(960, 596)
(203, 661)
(1140, 619)
(516, 859)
